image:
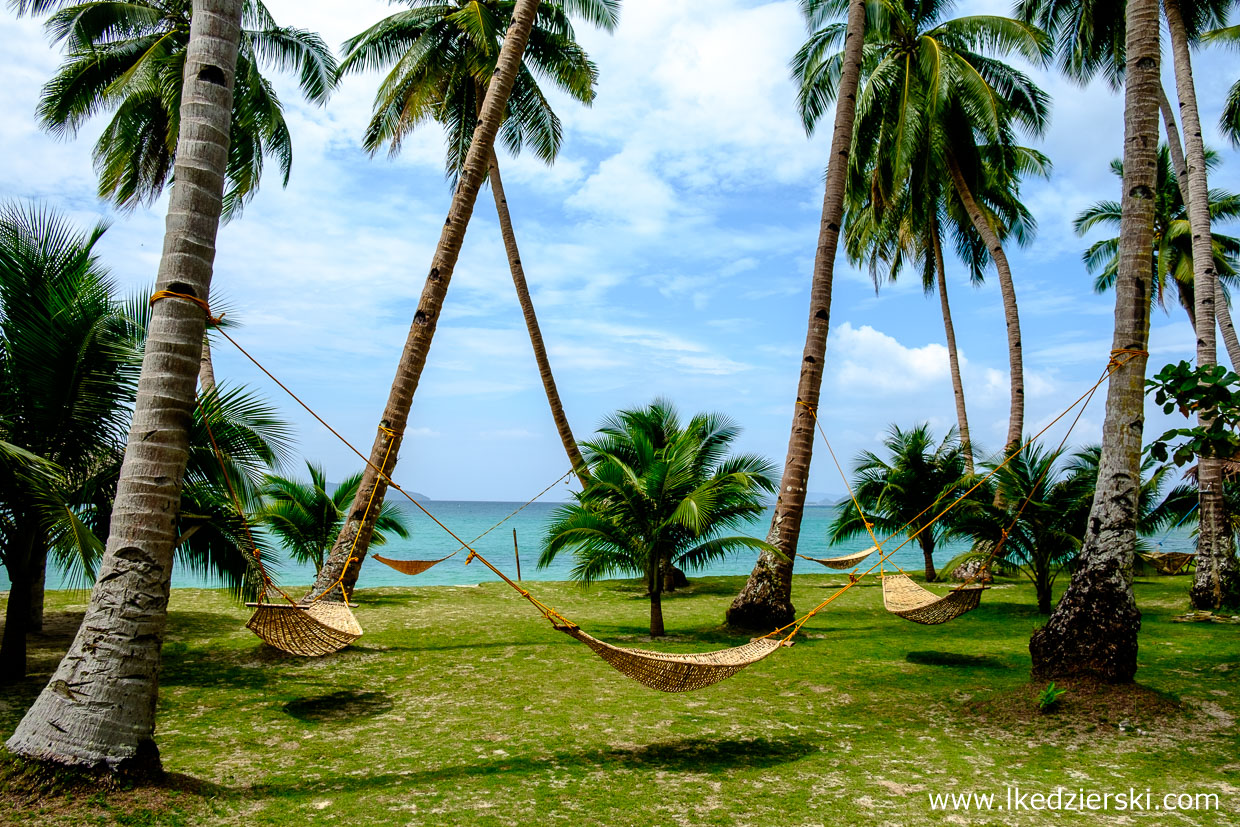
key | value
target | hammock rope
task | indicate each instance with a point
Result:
(663, 671)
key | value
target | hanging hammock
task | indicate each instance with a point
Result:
(318, 629)
(410, 567)
(1168, 562)
(847, 561)
(904, 598)
(677, 673)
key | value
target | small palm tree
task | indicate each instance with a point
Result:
(306, 517)
(659, 494)
(900, 493)
(128, 58)
(1044, 507)
(1173, 254)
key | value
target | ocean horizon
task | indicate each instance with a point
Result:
(471, 518)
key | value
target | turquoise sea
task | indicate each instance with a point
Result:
(469, 519)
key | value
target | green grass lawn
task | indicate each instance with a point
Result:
(463, 706)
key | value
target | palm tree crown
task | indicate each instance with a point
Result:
(128, 58)
(440, 57)
(1173, 255)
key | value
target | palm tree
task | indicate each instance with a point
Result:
(128, 58)
(659, 494)
(898, 493)
(928, 90)
(67, 377)
(766, 599)
(447, 84)
(908, 227)
(1229, 121)
(306, 517)
(1187, 21)
(1173, 259)
(88, 715)
(1093, 629)
(1038, 528)
(349, 551)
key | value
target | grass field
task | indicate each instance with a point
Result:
(462, 706)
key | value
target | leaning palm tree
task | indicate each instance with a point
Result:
(447, 84)
(1173, 258)
(766, 599)
(898, 493)
(659, 494)
(98, 710)
(128, 57)
(349, 551)
(306, 517)
(939, 87)
(1093, 629)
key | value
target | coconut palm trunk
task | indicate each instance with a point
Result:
(953, 356)
(17, 611)
(1093, 630)
(99, 708)
(766, 599)
(1011, 316)
(531, 324)
(654, 581)
(1217, 578)
(206, 370)
(345, 560)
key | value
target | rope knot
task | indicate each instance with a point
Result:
(212, 320)
(1131, 353)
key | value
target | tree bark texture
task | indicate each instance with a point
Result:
(345, 560)
(99, 708)
(766, 599)
(38, 586)
(531, 325)
(1093, 630)
(926, 541)
(1007, 289)
(953, 356)
(1217, 578)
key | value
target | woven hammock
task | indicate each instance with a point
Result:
(677, 673)
(410, 567)
(1168, 562)
(904, 598)
(846, 562)
(312, 631)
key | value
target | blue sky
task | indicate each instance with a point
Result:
(669, 252)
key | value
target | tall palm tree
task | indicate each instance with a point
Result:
(659, 494)
(447, 84)
(88, 715)
(1187, 22)
(349, 551)
(908, 228)
(898, 492)
(1173, 258)
(128, 57)
(939, 87)
(766, 599)
(306, 517)
(1218, 570)
(1093, 630)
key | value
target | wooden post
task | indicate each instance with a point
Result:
(516, 553)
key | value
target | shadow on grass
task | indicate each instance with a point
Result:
(339, 706)
(955, 659)
(680, 755)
